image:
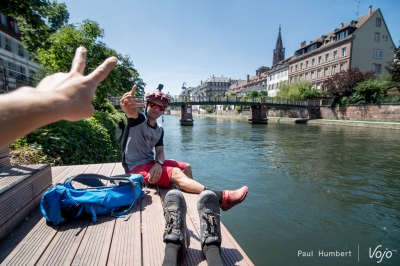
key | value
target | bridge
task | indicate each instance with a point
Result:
(258, 105)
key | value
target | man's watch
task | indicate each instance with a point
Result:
(160, 162)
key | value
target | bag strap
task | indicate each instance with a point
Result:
(93, 180)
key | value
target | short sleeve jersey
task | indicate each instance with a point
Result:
(139, 140)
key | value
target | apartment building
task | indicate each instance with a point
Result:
(214, 86)
(277, 76)
(364, 43)
(16, 68)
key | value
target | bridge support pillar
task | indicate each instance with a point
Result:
(258, 114)
(186, 115)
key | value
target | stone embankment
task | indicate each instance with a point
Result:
(335, 122)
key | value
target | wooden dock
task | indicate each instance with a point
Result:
(110, 241)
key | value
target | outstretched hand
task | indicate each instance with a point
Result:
(74, 91)
(129, 102)
(60, 96)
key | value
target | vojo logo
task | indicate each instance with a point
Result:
(380, 253)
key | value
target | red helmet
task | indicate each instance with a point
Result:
(158, 96)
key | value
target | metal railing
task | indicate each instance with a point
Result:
(232, 100)
(12, 77)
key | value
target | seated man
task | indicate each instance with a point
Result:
(143, 134)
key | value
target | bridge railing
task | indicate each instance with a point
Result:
(233, 100)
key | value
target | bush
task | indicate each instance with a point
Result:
(69, 143)
(309, 94)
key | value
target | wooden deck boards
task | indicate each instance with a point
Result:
(110, 241)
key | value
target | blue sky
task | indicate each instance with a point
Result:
(176, 41)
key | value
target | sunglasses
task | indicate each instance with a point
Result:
(159, 107)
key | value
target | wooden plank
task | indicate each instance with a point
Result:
(126, 248)
(194, 254)
(96, 242)
(20, 193)
(8, 243)
(152, 228)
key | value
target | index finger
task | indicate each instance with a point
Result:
(102, 71)
(79, 61)
(133, 90)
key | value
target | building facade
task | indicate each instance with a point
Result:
(214, 86)
(277, 76)
(364, 43)
(16, 68)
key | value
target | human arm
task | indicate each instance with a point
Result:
(155, 172)
(129, 104)
(59, 96)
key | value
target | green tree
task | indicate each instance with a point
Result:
(37, 20)
(58, 58)
(294, 91)
(394, 67)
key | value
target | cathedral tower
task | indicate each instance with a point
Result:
(279, 51)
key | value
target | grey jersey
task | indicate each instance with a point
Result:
(139, 140)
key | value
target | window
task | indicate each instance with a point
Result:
(8, 44)
(377, 68)
(344, 51)
(326, 57)
(312, 74)
(10, 69)
(319, 73)
(291, 69)
(295, 67)
(378, 53)
(306, 76)
(326, 72)
(1, 65)
(335, 54)
(306, 64)
(301, 76)
(291, 80)
(377, 37)
(378, 22)
(20, 50)
(313, 62)
(343, 66)
(334, 70)
(301, 65)
(318, 85)
(319, 60)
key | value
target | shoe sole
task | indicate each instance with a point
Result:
(240, 201)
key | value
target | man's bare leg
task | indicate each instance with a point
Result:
(187, 184)
(188, 171)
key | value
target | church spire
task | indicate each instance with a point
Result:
(279, 51)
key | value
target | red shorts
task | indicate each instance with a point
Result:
(167, 168)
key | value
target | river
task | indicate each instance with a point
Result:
(318, 195)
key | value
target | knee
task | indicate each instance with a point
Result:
(177, 174)
(188, 167)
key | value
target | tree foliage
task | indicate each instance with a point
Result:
(394, 67)
(58, 58)
(37, 20)
(294, 91)
(342, 84)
